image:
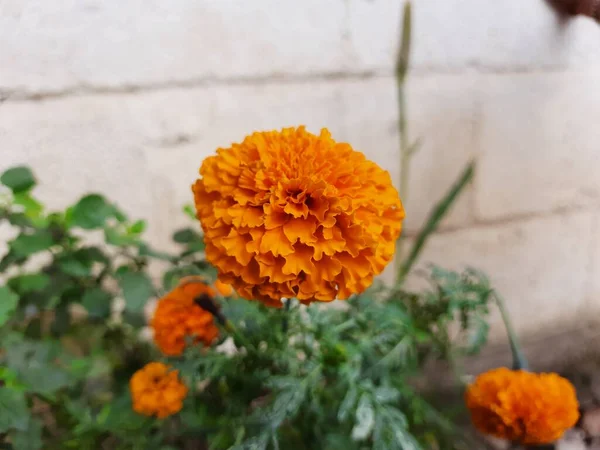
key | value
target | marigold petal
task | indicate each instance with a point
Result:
(276, 242)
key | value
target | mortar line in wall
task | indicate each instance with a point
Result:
(23, 95)
(508, 220)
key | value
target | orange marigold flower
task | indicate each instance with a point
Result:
(156, 390)
(224, 289)
(292, 214)
(177, 316)
(522, 407)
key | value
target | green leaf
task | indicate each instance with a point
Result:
(31, 206)
(116, 237)
(18, 179)
(91, 212)
(8, 303)
(186, 235)
(347, 404)
(137, 289)
(11, 258)
(189, 211)
(365, 418)
(13, 410)
(97, 302)
(435, 217)
(171, 277)
(29, 439)
(36, 365)
(19, 220)
(119, 416)
(75, 267)
(28, 244)
(91, 255)
(30, 282)
(138, 227)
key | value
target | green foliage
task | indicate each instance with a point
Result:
(298, 378)
(18, 179)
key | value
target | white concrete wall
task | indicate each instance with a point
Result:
(127, 97)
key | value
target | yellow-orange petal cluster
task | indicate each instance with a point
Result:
(522, 407)
(226, 290)
(156, 390)
(292, 214)
(178, 317)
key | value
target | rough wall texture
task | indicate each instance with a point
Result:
(126, 98)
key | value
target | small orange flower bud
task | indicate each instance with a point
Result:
(156, 390)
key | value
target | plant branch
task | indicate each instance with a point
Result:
(519, 360)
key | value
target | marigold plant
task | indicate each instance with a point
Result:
(522, 407)
(292, 214)
(156, 390)
(178, 317)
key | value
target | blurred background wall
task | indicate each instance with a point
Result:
(127, 98)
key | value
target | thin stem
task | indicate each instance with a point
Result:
(406, 150)
(237, 335)
(286, 314)
(519, 360)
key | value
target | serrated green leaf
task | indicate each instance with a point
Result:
(8, 303)
(13, 410)
(18, 179)
(365, 418)
(29, 439)
(137, 290)
(91, 212)
(97, 302)
(347, 404)
(386, 394)
(28, 244)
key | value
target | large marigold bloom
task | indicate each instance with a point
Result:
(156, 390)
(178, 317)
(291, 214)
(522, 407)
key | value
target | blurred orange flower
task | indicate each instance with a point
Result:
(522, 407)
(177, 316)
(292, 214)
(157, 391)
(226, 290)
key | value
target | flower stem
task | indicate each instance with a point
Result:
(286, 314)
(519, 360)
(406, 150)
(237, 335)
